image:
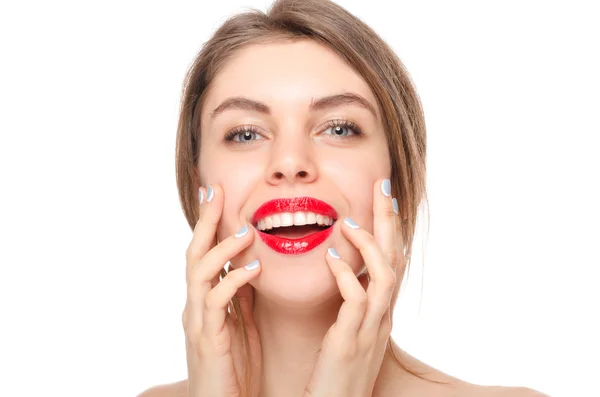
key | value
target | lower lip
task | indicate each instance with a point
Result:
(295, 246)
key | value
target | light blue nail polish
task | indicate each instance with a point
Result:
(252, 265)
(210, 194)
(333, 253)
(200, 195)
(350, 223)
(395, 204)
(242, 232)
(386, 188)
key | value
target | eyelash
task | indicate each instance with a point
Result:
(229, 137)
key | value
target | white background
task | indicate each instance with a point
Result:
(92, 281)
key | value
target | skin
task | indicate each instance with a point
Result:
(341, 172)
(297, 298)
(307, 308)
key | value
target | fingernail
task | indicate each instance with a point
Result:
(333, 253)
(350, 223)
(252, 265)
(200, 195)
(395, 204)
(386, 188)
(210, 194)
(242, 232)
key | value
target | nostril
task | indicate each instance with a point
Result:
(301, 175)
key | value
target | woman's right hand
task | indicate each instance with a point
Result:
(212, 335)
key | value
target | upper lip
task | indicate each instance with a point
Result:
(293, 204)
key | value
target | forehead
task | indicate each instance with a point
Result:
(285, 74)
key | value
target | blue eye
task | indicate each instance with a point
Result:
(335, 128)
(244, 134)
(342, 128)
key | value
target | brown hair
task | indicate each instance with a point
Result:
(362, 49)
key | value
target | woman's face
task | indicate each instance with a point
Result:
(284, 146)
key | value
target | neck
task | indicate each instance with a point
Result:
(291, 338)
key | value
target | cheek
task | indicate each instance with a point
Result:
(238, 173)
(354, 180)
(349, 174)
(238, 182)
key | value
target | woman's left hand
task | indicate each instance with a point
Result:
(354, 346)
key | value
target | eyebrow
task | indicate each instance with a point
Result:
(328, 102)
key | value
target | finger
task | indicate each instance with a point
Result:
(380, 273)
(384, 225)
(204, 236)
(245, 296)
(385, 327)
(203, 272)
(352, 311)
(399, 243)
(383, 278)
(215, 309)
(401, 262)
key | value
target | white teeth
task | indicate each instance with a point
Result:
(287, 219)
(298, 218)
(276, 220)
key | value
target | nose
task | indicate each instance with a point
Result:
(292, 160)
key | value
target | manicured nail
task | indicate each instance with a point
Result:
(350, 223)
(252, 265)
(242, 232)
(333, 253)
(200, 195)
(210, 194)
(395, 204)
(386, 188)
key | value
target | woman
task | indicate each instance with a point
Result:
(301, 162)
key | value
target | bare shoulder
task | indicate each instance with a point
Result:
(526, 392)
(176, 389)
(423, 379)
(521, 392)
(502, 391)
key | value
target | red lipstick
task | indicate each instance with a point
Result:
(300, 245)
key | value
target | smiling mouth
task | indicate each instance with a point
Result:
(294, 225)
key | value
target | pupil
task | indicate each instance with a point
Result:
(339, 130)
(247, 136)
